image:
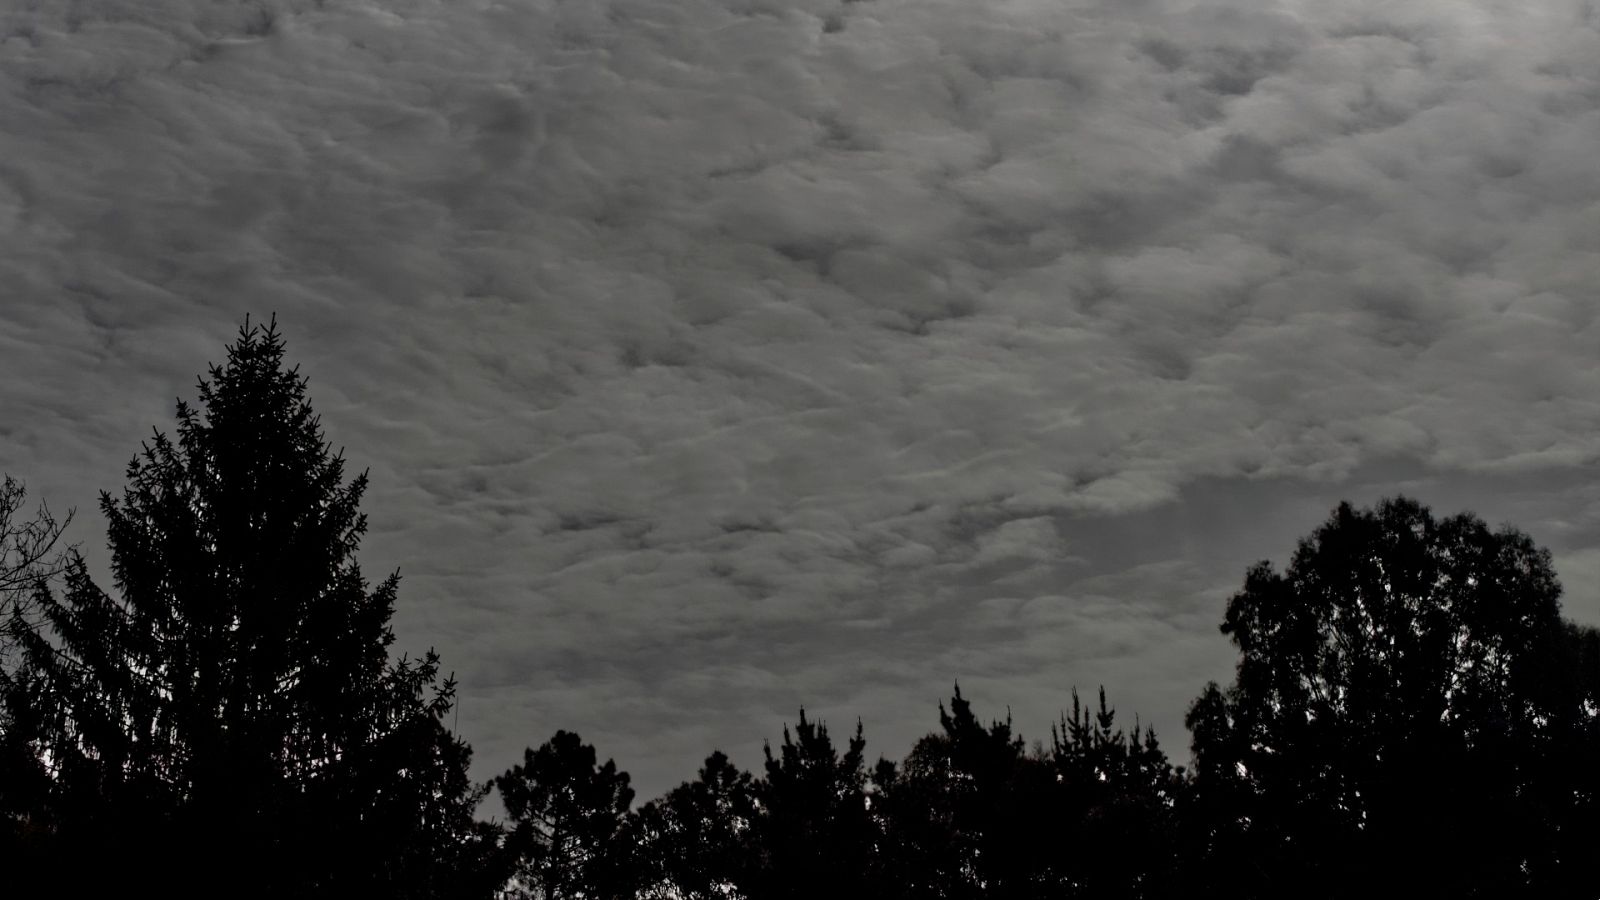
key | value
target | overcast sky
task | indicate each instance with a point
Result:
(713, 358)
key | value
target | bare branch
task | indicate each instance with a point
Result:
(31, 554)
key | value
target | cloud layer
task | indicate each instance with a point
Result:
(712, 357)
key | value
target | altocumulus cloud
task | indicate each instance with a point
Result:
(712, 358)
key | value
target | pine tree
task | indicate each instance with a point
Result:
(569, 816)
(233, 701)
(696, 843)
(969, 813)
(1118, 798)
(813, 835)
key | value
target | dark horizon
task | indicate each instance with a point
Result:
(716, 359)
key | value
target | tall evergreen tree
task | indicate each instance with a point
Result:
(812, 835)
(1119, 799)
(969, 813)
(229, 718)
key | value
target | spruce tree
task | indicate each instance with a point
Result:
(229, 717)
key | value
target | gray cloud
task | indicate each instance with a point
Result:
(712, 358)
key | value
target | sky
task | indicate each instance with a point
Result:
(715, 358)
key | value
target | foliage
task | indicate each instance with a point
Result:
(1410, 714)
(971, 813)
(812, 831)
(1123, 798)
(1402, 690)
(696, 843)
(958, 812)
(234, 697)
(569, 819)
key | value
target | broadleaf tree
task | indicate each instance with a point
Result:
(31, 553)
(1410, 709)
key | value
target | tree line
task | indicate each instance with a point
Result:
(1410, 711)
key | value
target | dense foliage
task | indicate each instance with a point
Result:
(1409, 705)
(235, 697)
(1410, 713)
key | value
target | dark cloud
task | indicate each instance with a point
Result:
(712, 358)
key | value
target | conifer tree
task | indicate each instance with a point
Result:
(813, 834)
(569, 818)
(1119, 800)
(969, 813)
(228, 717)
(696, 843)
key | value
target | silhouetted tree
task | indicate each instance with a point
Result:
(696, 843)
(30, 553)
(968, 814)
(569, 821)
(1409, 710)
(30, 556)
(1119, 799)
(812, 835)
(233, 704)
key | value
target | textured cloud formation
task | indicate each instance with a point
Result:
(714, 357)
